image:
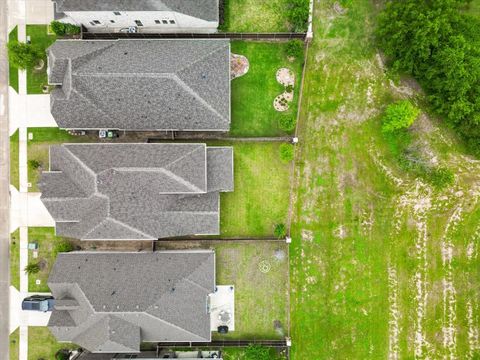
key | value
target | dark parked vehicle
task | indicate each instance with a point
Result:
(38, 303)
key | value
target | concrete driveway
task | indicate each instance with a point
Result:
(19, 317)
(39, 11)
(29, 111)
(29, 203)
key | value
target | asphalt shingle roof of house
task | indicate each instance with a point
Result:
(141, 84)
(203, 9)
(121, 299)
(136, 191)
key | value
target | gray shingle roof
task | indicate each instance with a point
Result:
(202, 9)
(126, 298)
(136, 191)
(141, 84)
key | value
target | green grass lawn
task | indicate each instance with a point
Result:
(12, 70)
(367, 236)
(37, 149)
(15, 259)
(261, 194)
(39, 38)
(240, 354)
(43, 345)
(253, 94)
(255, 16)
(260, 298)
(14, 160)
(46, 239)
(14, 344)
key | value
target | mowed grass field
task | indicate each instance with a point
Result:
(382, 264)
(261, 191)
(255, 16)
(253, 113)
(43, 345)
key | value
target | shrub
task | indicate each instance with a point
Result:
(289, 88)
(286, 152)
(22, 55)
(62, 354)
(399, 115)
(280, 231)
(34, 164)
(61, 29)
(287, 123)
(441, 177)
(257, 352)
(297, 14)
(294, 48)
(32, 268)
(63, 246)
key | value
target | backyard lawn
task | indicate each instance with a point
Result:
(12, 70)
(259, 271)
(383, 265)
(37, 79)
(15, 259)
(47, 242)
(255, 16)
(14, 344)
(43, 345)
(261, 195)
(253, 94)
(14, 161)
(37, 150)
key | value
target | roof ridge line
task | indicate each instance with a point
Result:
(198, 97)
(168, 322)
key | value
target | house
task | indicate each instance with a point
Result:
(141, 85)
(136, 191)
(111, 302)
(149, 16)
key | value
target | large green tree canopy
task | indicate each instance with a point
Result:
(439, 44)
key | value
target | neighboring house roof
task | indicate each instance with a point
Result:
(136, 191)
(123, 299)
(203, 9)
(141, 84)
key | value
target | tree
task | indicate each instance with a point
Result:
(32, 268)
(257, 352)
(22, 55)
(286, 152)
(439, 44)
(399, 115)
(280, 231)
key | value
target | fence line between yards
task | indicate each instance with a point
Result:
(220, 35)
(220, 138)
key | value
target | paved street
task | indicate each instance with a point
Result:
(4, 188)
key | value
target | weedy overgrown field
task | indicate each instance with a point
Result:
(384, 262)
